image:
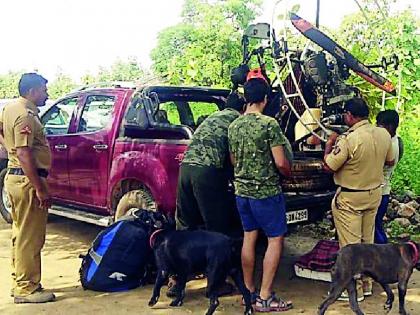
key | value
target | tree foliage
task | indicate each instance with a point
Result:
(60, 86)
(9, 84)
(129, 70)
(206, 45)
(391, 33)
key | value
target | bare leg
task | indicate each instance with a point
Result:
(270, 265)
(248, 258)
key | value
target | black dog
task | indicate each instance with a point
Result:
(186, 253)
(390, 263)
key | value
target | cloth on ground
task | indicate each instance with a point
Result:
(321, 258)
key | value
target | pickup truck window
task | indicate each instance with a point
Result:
(57, 119)
(184, 113)
(96, 113)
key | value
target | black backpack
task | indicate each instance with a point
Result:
(118, 257)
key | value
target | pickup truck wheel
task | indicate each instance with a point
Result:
(5, 206)
(135, 199)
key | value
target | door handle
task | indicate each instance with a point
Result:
(100, 147)
(60, 146)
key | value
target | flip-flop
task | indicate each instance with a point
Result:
(272, 304)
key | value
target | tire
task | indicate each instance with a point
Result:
(132, 200)
(5, 207)
(306, 166)
(314, 183)
(307, 175)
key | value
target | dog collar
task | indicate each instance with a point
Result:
(416, 252)
(153, 237)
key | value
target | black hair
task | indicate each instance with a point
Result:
(388, 117)
(29, 81)
(255, 90)
(357, 107)
(235, 101)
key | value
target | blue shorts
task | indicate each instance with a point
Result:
(268, 214)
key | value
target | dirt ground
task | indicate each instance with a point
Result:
(66, 239)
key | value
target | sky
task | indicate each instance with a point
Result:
(78, 36)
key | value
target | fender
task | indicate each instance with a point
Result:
(146, 168)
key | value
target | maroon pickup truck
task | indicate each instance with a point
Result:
(115, 148)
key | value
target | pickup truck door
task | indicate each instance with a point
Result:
(56, 121)
(91, 149)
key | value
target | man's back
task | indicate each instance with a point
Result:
(209, 146)
(251, 138)
(367, 148)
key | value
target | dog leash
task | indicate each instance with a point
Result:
(416, 252)
(153, 236)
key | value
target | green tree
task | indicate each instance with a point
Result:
(9, 84)
(120, 70)
(129, 70)
(61, 85)
(206, 45)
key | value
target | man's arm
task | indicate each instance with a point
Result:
(282, 163)
(232, 158)
(26, 160)
(328, 149)
(390, 155)
(336, 153)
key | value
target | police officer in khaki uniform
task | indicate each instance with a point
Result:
(29, 160)
(357, 158)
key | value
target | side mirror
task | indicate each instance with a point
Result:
(259, 30)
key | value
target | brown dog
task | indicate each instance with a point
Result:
(386, 264)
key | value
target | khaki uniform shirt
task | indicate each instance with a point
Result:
(22, 128)
(359, 155)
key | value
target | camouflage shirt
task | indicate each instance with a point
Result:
(251, 138)
(209, 146)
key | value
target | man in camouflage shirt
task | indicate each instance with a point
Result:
(204, 198)
(260, 153)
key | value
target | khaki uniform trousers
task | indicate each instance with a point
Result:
(28, 234)
(354, 218)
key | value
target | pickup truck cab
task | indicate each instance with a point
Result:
(116, 148)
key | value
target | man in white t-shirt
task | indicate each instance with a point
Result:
(389, 120)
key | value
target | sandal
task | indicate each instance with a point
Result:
(254, 296)
(272, 304)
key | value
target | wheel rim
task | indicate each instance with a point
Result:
(6, 201)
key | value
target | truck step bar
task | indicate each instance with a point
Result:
(81, 215)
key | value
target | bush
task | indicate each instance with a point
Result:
(395, 229)
(407, 173)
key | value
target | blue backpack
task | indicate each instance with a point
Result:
(118, 257)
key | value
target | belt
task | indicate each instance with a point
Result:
(345, 189)
(42, 172)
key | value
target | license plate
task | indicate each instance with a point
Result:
(297, 216)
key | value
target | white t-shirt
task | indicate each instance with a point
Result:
(388, 170)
